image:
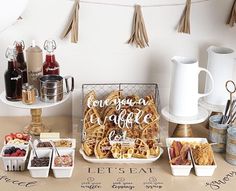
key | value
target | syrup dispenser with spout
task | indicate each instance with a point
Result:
(34, 59)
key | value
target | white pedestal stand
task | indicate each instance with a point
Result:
(211, 107)
(36, 125)
(183, 128)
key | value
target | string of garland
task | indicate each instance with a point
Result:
(146, 6)
(139, 36)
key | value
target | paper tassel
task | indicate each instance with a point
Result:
(232, 17)
(184, 23)
(139, 34)
(72, 25)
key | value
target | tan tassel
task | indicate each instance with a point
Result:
(184, 23)
(139, 34)
(73, 24)
(232, 17)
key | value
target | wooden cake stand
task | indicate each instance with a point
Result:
(36, 126)
(183, 128)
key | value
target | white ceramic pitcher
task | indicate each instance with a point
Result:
(184, 94)
(221, 63)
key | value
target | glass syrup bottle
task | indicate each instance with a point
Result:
(21, 64)
(13, 77)
(51, 66)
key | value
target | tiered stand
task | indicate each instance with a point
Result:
(36, 125)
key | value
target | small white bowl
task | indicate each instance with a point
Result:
(73, 141)
(170, 140)
(14, 163)
(63, 172)
(36, 141)
(180, 170)
(40, 172)
(204, 170)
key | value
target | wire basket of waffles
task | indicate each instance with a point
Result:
(121, 124)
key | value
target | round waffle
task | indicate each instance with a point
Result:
(153, 146)
(151, 131)
(92, 96)
(120, 151)
(102, 149)
(141, 149)
(87, 118)
(88, 146)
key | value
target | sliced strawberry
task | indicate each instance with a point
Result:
(13, 135)
(19, 135)
(25, 136)
(21, 155)
(8, 138)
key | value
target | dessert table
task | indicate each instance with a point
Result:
(88, 176)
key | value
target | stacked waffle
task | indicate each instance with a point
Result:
(99, 129)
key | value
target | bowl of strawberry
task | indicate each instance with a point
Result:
(17, 139)
(14, 157)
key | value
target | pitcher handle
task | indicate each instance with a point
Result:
(69, 89)
(212, 82)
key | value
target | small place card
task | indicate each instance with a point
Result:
(52, 135)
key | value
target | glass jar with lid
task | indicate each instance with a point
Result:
(29, 94)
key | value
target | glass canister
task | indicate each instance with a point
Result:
(217, 133)
(29, 94)
(230, 156)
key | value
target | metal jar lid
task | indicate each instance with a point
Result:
(27, 86)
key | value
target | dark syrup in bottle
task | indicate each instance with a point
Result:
(13, 77)
(21, 64)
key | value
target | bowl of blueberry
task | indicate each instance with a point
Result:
(14, 157)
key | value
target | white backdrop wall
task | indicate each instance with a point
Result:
(102, 55)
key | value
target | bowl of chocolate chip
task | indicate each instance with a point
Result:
(39, 163)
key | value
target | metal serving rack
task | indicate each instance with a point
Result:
(140, 89)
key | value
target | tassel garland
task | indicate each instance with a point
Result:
(232, 16)
(184, 23)
(138, 36)
(73, 24)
